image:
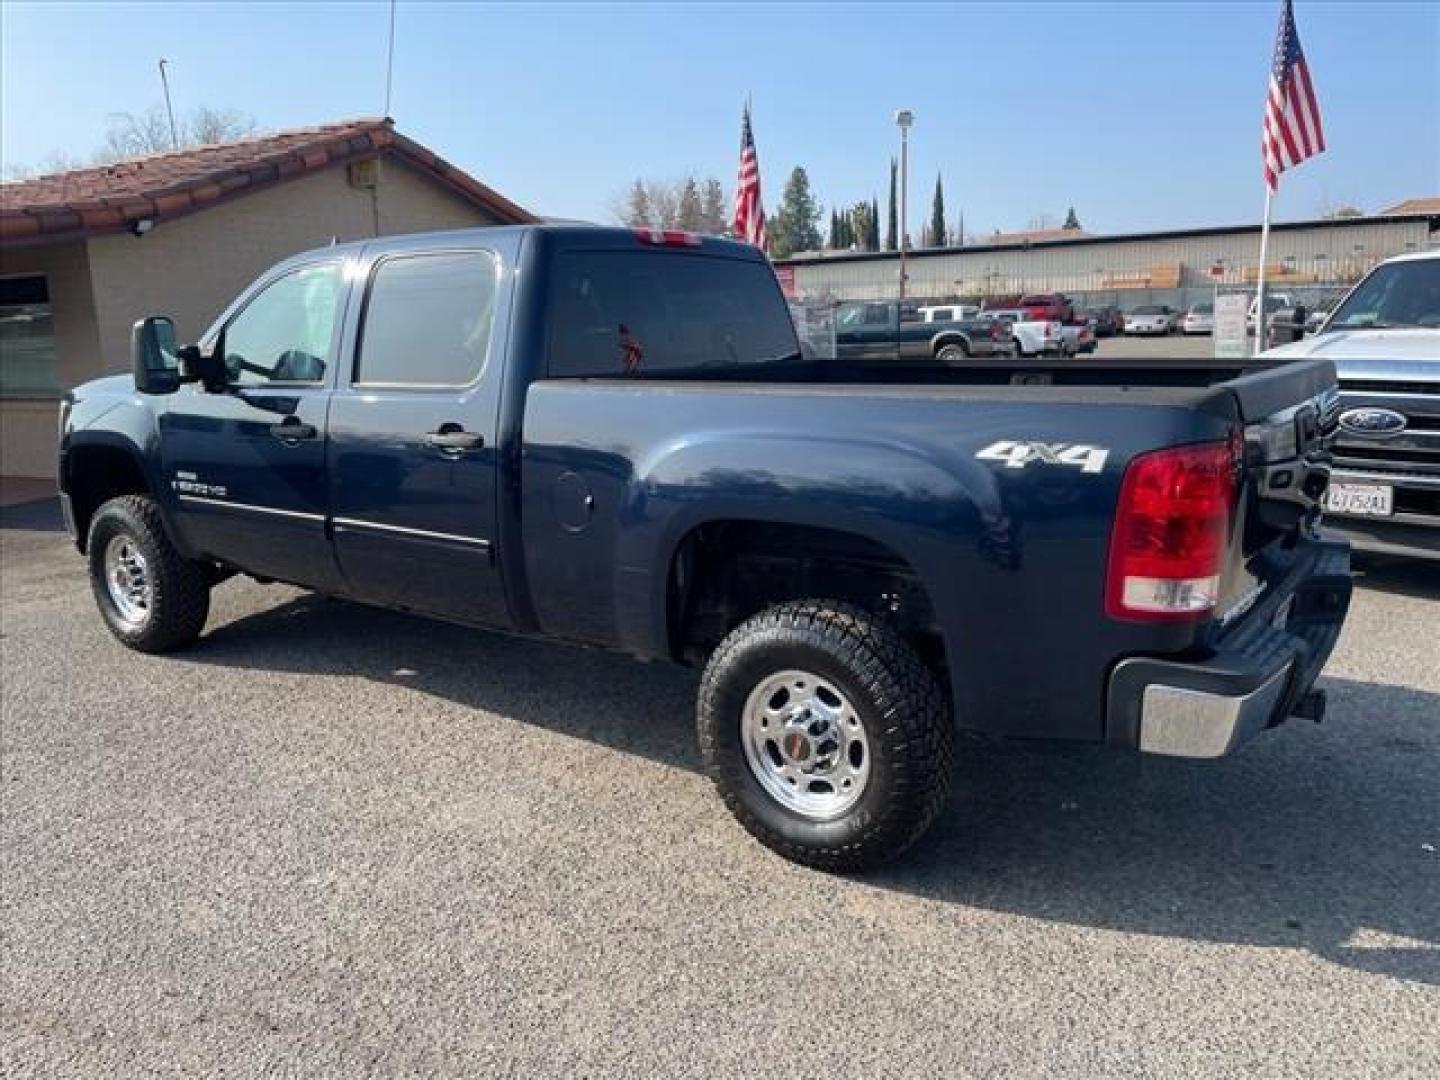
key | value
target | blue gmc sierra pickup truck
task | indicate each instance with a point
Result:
(613, 438)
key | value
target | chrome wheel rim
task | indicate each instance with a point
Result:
(127, 579)
(806, 744)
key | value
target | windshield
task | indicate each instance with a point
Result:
(1148, 311)
(1399, 294)
(1203, 309)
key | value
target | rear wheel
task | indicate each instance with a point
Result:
(151, 597)
(953, 354)
(825, 734)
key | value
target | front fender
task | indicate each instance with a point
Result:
(127, 425)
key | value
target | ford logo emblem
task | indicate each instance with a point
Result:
(1375, 423)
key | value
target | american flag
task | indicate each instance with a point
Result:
(1292, 131)
(749, 212)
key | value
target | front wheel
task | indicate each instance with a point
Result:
(827, 737)
(952, 355)
(152, 598)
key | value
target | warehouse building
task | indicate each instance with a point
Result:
(1176, 267)
(85, 253)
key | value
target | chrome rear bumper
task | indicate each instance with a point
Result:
(1260, 674)
(1180, 722)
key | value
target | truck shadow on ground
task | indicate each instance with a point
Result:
(39, 515)
(1313, 838)
(1417, 578)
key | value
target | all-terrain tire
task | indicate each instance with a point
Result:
(179, 589)
(905, 715)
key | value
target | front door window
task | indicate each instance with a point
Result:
(284, 334)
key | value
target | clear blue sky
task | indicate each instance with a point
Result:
(1141, 115)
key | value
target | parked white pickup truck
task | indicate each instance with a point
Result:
(1033, 337)
(948, 312)
(1384, 338)
(1078, 338)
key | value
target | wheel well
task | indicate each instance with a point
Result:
(949, 339)
(726, 571)
(96, 474)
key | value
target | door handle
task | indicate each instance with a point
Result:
(292, 430)
(454, 439)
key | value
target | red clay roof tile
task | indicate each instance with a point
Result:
(162, 186)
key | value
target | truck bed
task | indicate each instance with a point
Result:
(1258, 388)
(617, 472)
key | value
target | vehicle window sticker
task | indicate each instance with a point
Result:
(632, 354)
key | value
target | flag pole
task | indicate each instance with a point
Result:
(1260, 319)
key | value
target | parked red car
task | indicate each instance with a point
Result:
(1043, 306)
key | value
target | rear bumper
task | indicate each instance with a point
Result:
(1208, 708)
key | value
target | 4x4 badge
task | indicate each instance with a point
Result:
(1016, 455)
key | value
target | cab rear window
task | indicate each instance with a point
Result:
(664, 314)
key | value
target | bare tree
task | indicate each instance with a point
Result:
(131, 135)
(54, 162)
(128, 135)
(207, 125)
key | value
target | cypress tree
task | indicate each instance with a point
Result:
(892, 230)
(937, 216)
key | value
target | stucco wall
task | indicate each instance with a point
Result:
(27, 425)
(192, 267)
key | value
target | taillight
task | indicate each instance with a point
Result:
(668, 237)
(1172, 526)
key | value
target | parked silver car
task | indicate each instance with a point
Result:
(1150, 319)
(1200, 319)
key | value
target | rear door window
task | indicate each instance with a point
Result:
(427, 320)
(664, 314)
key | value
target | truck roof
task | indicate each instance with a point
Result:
(1416, 256)
(586, 235)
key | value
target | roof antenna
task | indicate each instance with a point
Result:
(390, 59)
(169, 109)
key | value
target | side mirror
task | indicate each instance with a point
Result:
(1286, 325)
(154, 360)
(206, 369)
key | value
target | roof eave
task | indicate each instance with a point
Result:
(22, 227)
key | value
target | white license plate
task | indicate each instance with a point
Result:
(1361, 500)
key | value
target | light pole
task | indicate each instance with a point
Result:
(903, 119)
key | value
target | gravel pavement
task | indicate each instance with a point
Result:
(332, 841)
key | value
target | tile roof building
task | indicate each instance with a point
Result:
(85, 253)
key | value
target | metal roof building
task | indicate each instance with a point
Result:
(1125, 269)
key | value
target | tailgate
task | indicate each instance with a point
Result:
(1267, 392)
(1290, 416)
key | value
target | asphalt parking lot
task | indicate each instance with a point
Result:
(332, 841)
(1186, 346)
